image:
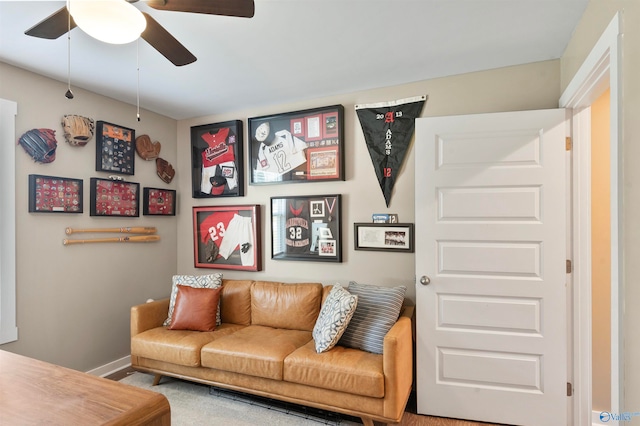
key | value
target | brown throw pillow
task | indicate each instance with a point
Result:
(195, 309)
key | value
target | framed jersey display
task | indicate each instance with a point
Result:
(51, 194)
(227, 237)
(300, 146)
(114, 198)
(306, 228)
(115, 148)
(217, 160)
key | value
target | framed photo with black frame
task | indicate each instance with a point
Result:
(110, 197)
(390, 237)
(300, 146)
(52, 194)
(306, 228)
(227, 237)
(217, 160)
(115, 148)
(158, 202)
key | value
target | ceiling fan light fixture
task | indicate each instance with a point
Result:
(110, 21)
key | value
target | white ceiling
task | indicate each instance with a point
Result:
(294, 50)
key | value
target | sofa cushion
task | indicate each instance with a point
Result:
(255, 350)
(180, 347)
(288, 306)
(195, 309)
(335, 314)
(235, 301)
(341, 369)
(199, 281)
(377, 311)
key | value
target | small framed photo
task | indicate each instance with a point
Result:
(114, 198)
(227, 237)
(306, 228)
(384, 237)
(51, 194)
(299, 146)
(159, 202)
(217, 160)
(115, 148)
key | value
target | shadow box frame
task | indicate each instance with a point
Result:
(151, 208)
(108, 138)
(296, 147)
(70, 188)
(102, 202)
(213, 225)
(318, 227)
(389, 237)
(222, 166)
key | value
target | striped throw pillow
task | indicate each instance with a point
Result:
(377, 311)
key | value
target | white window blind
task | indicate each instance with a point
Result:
(8, 327)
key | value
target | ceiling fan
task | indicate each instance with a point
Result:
(155, 34)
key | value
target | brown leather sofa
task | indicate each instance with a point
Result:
(264, 346)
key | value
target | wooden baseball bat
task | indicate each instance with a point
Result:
(127, 239)
(129, 230)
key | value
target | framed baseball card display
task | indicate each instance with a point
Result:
(300, 146)
(51, 194)
(306, 228)
(217, 160)
(114, 198)
(384, 236)
(115, 148)
(158, 202)
(227, 237)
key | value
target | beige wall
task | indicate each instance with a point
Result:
(600, 255)
(595, 19)
(532, 86)
(73, 301)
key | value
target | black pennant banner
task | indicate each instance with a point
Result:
(388, 128)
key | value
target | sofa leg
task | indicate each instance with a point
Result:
(156, 379)
(367, 421)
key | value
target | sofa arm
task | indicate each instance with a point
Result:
(148, 315)
(397, 364)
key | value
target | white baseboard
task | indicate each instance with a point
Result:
(595, 420)
(111, 367)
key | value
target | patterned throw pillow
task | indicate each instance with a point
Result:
(378, 310)
(198, 281)
(337, 310)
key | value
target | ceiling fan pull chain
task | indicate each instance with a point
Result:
(69, 94)
(138, 78)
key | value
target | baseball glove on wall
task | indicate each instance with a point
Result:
(165, 170)
(40, 144)
(146, 149)
(78, 130)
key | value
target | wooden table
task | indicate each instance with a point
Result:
(34, 392)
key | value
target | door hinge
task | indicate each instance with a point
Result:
(569, 389)
(569, 266)
(568, 143)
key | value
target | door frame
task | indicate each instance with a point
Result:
(600, 70)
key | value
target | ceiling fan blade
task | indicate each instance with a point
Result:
(239, 8)
(161, 40)
(52, 27)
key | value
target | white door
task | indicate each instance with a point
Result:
(491, 239)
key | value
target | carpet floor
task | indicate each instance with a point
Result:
(196, 404)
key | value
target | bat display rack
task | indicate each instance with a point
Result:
(135, 234)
